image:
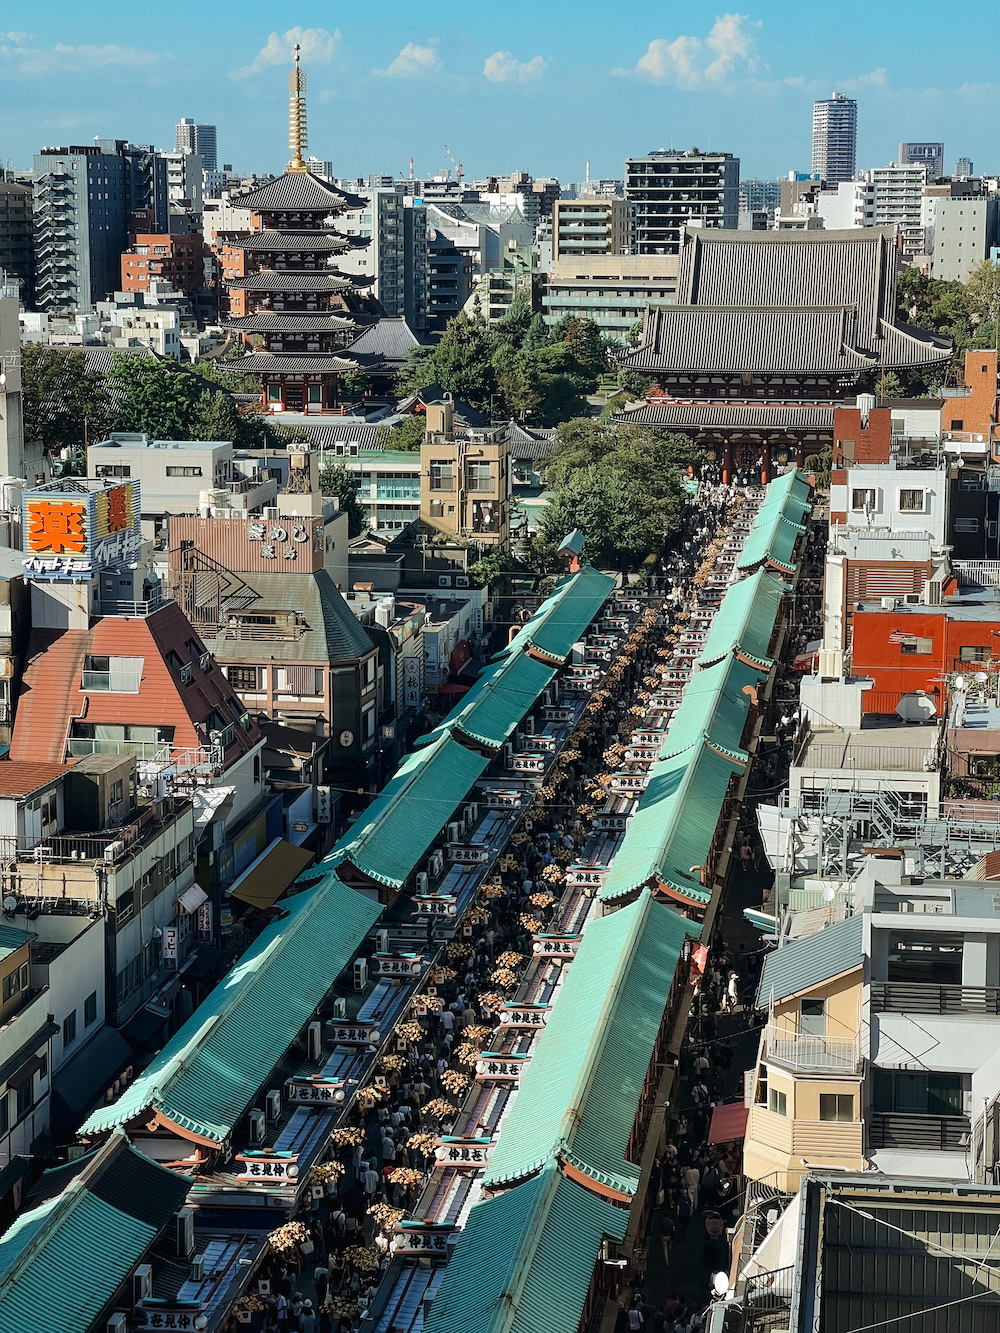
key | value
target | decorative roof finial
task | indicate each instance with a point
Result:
(298, 139)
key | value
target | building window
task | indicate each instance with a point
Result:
(442, 475)
(315, 393)
(274, 393)
(974, 653)
(244, 678)
(836, 1106)
(183, 471)
(863, 497)
(69, 1029)
(478, 477)
(911, 501)
(957, 425)
(913, 1093)
(25, 1098)
(966, 524)
(13, 983)
(4, 1111)
(925, 960)
(777, 1102)
(90, 1010)
(113, 470)
(920, 647)
(112, 675)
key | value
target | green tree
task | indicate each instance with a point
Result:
(408, 435)
(583, 337)
(355, 384)
(494, 570)
(460, 363)
(62, 400)
(635, 383)
(217, 373)
(983, 287)
(912, 293)
(155, 398)
(538, 334)
(335, 479)
(889, 386)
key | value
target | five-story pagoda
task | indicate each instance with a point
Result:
(287, 299)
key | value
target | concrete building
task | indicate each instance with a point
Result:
(198, 139)
(389, 482)
(849, 204)
(17, 238)
(84, 197)
(11, 407)
(465, 481)
(612, 290)
(162, 257)
(395, 256)
(667, 189)
(449, 279)
(897, 192)
(756, 194)
(963, 167)
(185, 181)
(927, 155)
(596, 226)
(961, 234)
(835, 138)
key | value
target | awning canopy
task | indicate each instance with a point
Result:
(729, 1122)
(263, 883)
(192, 898)
(82, 1082)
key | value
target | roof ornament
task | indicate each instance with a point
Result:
(298, 137)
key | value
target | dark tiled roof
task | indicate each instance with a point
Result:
(284, 280)
(903, 346)
(297, 192)
(745, 416)
(291, 321)
(747, 339)
(465, 415)
(334, 633)
(297, 363)
(102, 359)
(388, 340)
(295, 242)
(325, 437)
(530, 445)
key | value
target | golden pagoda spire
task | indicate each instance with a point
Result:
(298, 139)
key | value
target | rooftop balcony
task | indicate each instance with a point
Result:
(824, 1055)
(918, 997)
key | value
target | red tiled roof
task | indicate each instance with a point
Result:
(20, 778)
(51, 697)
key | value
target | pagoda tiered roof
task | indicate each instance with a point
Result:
(291, 321)
(270, 241)
(290, 280)
(297, 192)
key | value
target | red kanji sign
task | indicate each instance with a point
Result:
(118, 515)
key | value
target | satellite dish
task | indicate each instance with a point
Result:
(10, 904)
(720, 1283)
(829, 893)
(959, 682)
(980, 677)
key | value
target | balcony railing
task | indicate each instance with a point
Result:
(919, 997)
(823, 1054)
(937, 1133)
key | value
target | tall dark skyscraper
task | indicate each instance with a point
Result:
(200, 139)
(835, 138)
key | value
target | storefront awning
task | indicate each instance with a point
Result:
(263, 883)
(191, 899)
(729, 1122)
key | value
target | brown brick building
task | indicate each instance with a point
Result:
(175, 259)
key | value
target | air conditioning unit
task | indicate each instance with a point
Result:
(888, 603)
(435, 866)
(382, 941)
(913, 599)
(508, 754)
(314, 1041)
(114, 850)
(272, 1104)
(117, 1323)
(422, 882)
(932, 592)
(461, 580)
(272, 513)
(185, 1232)
(339, 1009)
(529, 726)
(142, 1283)
(257, 1127)
(360, 973)
(444, 580)
(198, 1268)
(471, 815)
(453, 831)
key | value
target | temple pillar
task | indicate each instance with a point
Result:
(765, 462)
(727, 460)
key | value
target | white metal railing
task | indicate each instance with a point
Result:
(807, 1052)
(978, 573)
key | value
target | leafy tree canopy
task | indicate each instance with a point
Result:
(408, 435)
(59, 395)
(336, 479)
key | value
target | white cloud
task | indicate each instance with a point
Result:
(728, 51)
(317, 45)
(501, 67)
(61, 59)
(413, 61)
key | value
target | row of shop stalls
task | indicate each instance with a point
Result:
(536, 1212)
(229, 1119)
(218, 1136)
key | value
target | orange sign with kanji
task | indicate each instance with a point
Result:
(57, 527)
(116, 510)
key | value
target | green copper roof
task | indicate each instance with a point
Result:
(562, 618)
(501, 697)
(392, 835)
(208, 1073)
(579, 1096)
(790, 486)
(745, 619)
(714, 705)
(12, 939)
(62, 1262)
(674, 825)
(772, 541)
(525, 1260)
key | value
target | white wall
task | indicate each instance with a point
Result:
(73, 975)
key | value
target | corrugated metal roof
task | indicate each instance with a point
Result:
(208, 1073)
(811, 959)
(12, 939)
(499, 700)
(525, 1260)
(62, 1262)
(580, 1095)
(390, 838)
(563, 617)
(714, 705)
(745, 620)
(673, 826)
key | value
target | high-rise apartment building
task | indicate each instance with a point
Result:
(835, 138)
(897, 197)
(929, 155)
(669, 188)
(595, 226)
(83, 200)
(17, 249)
(395, 257)
(963, 167)
(760, 195)
(200, 139)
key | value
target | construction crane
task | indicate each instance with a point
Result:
(459, 173)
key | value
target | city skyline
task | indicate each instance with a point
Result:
(722, 80)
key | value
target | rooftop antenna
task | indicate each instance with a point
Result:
(298, 139)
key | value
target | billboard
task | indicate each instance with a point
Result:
(76, 527)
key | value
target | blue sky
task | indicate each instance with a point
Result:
(539, 86)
